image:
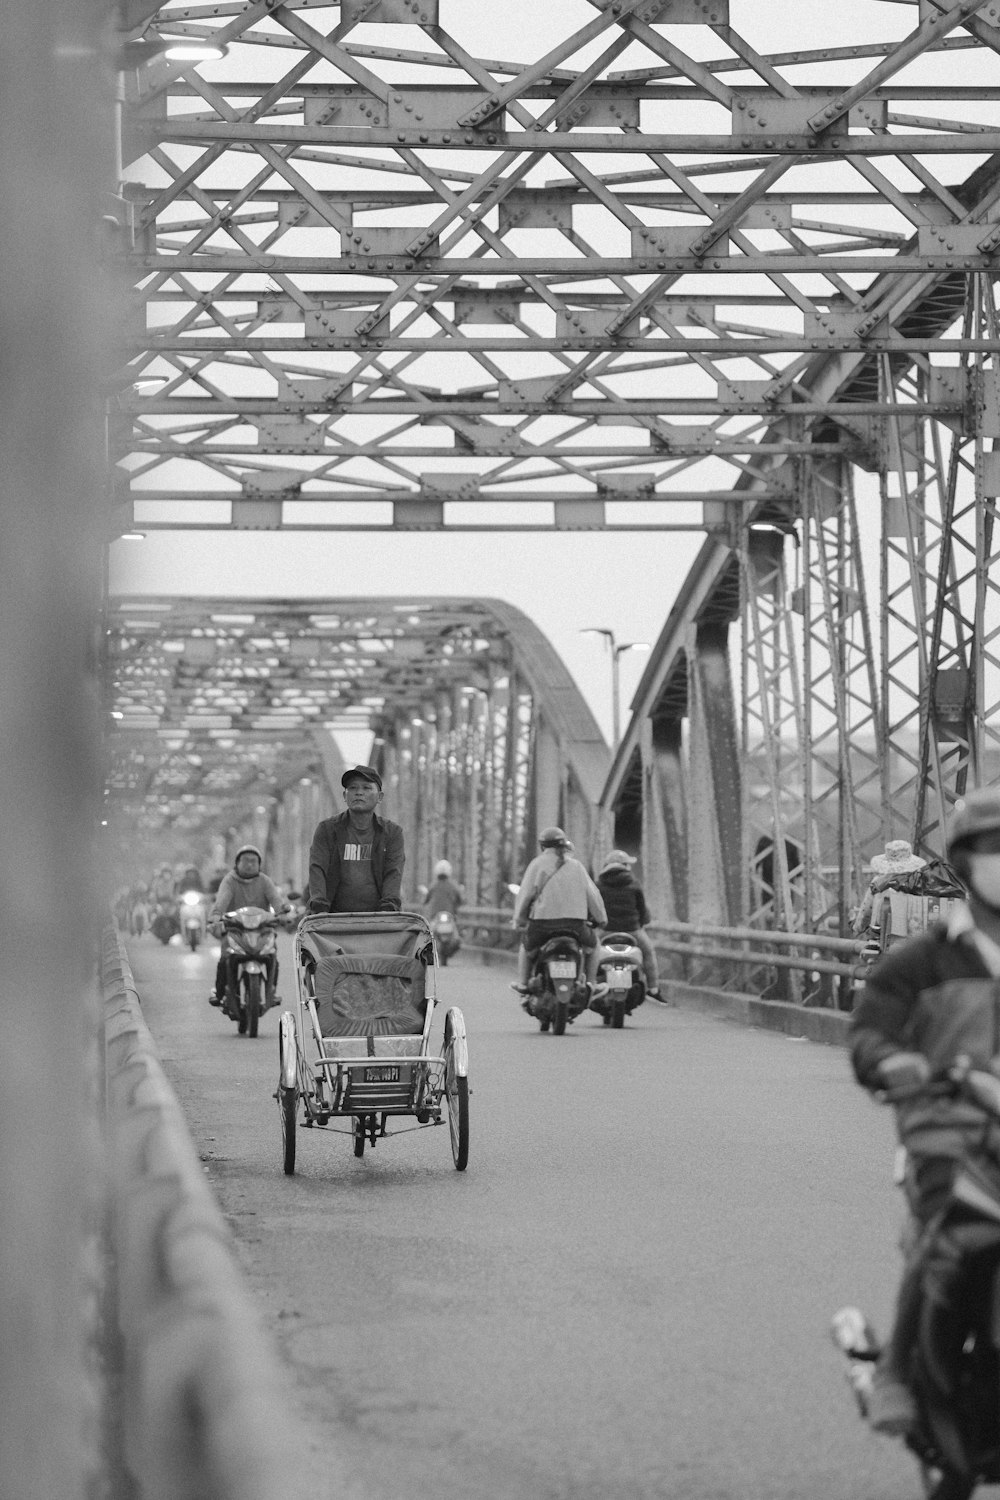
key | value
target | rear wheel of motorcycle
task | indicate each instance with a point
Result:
(358, 1127)
(560, 1017)
(618, 1014)
(253, 1003)
(288, 1104)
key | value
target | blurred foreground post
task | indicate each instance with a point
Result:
(54, 161)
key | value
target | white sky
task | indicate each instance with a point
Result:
(563, 581)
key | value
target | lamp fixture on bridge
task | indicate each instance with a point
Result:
(616, 654)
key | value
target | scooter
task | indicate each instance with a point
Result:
(955, 1362)
(557, 988)
(193, 924)
(446, 938)
(250, 938)
(619, 966)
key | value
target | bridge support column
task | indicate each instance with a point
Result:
(664, 820)
(716, 877)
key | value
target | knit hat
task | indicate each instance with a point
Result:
(898, 859)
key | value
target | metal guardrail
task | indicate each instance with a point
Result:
(802, 968)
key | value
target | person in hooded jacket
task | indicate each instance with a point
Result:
(928, 1001)
(627, 911)
(245, 885)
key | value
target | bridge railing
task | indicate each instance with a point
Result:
(802, 968)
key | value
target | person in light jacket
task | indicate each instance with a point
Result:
(557, 895)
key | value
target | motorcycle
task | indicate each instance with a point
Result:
(619, 966)
(166, 922)
(446, 938)
(251, 939)
(955, 1362)
(557, 989)
(193, 924)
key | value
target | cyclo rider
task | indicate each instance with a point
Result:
(928, 1001)
(557, 895)
(244, 885)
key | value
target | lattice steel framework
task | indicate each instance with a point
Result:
(223, 711)
(676, 267)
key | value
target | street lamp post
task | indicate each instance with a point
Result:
(616, 655)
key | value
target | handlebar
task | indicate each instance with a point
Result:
(958, 1080)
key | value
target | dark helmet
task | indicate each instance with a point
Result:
(553, 838)
(977, 813)
(247, 849)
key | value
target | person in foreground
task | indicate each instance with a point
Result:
(244, 885)
(556, 895)
(927, 1002)
(356, 858)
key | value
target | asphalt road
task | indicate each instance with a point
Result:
(625, 1297)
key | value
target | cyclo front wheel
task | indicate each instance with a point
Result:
(358, 1128)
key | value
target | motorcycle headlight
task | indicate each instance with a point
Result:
(190, 898)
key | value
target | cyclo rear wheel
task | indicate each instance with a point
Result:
(456, 1089)
(358, 1130)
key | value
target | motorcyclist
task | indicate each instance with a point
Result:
(557, 895)
(625, 902)
(162, 887)
(926, 1002)
(244, 885)
(445, 894)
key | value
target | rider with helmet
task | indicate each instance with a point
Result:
(926, 1002)
(245, 885)
(557, 895)
(445, 894)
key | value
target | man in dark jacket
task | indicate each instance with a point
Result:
(627, 911)
(356, 858)
(927, 1002)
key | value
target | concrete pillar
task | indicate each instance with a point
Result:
(55, 159)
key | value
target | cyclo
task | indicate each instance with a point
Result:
(357, 1047)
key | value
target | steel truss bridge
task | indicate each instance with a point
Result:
(611, 264)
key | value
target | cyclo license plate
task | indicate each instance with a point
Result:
(389, 1073)
(562, 968)
(620, 979)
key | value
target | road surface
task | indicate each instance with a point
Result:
(625, 1297)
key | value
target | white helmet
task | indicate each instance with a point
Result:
(442, 868)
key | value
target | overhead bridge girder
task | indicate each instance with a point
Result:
(226, 720)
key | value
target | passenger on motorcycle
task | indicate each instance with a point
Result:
(445, 894)
(557, 895)
(244, 885)
(926, 1002)
(356, 858)
(627, 911)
